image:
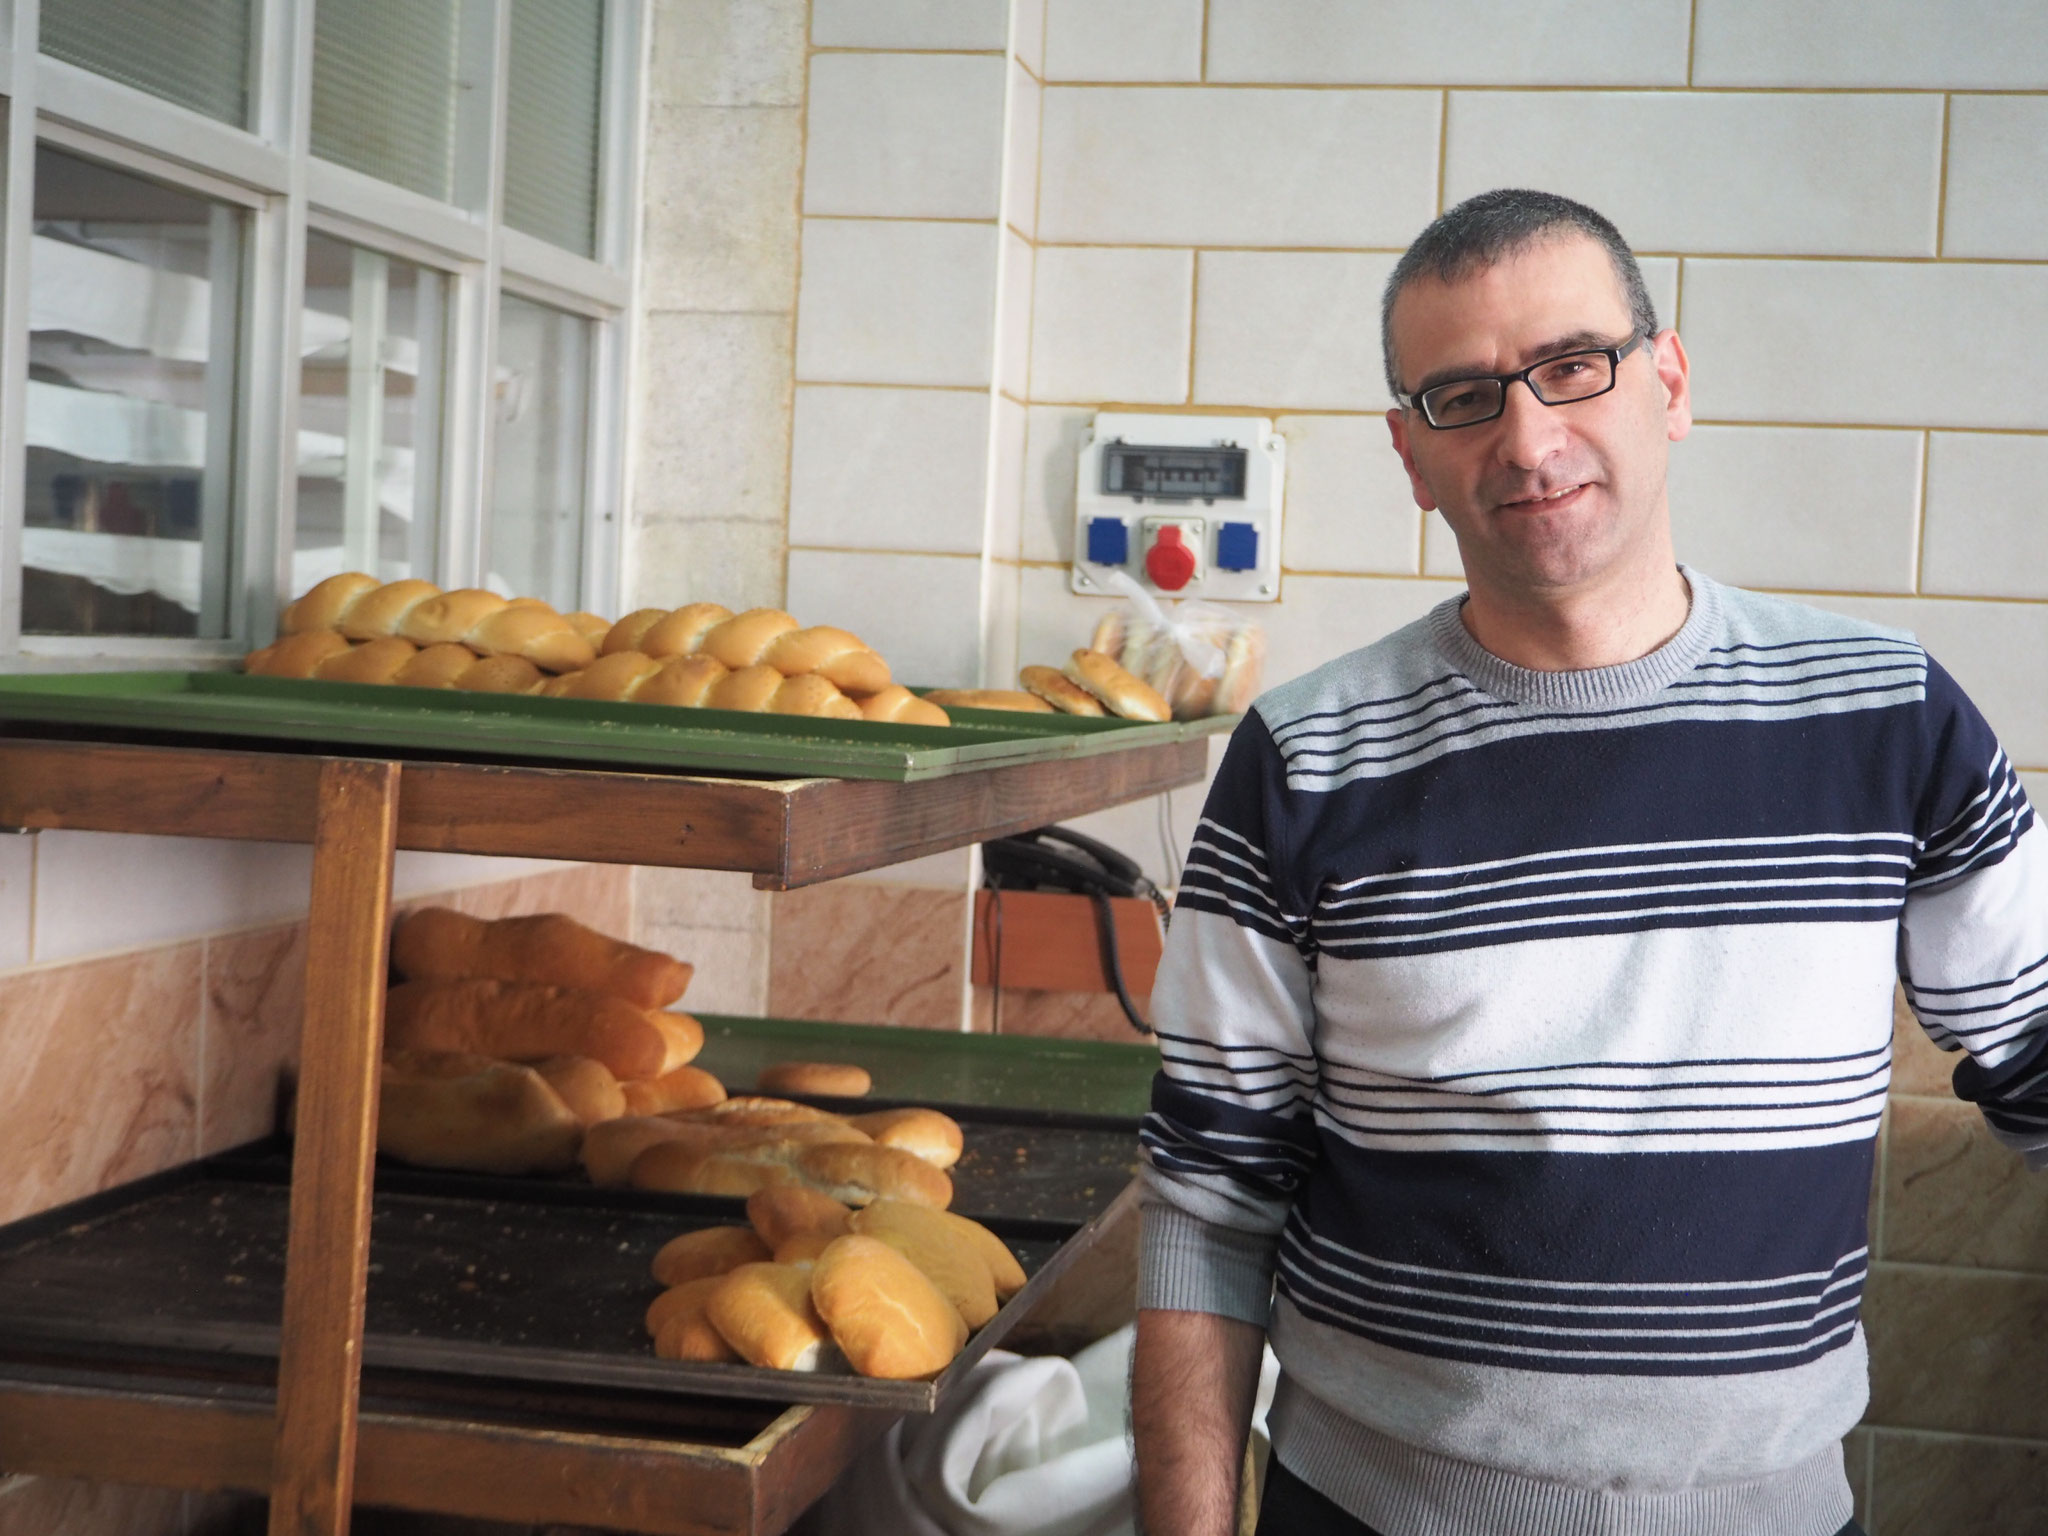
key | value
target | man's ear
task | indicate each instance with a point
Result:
(1674, 372)
(1397, 428)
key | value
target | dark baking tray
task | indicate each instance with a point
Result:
(522, 1283)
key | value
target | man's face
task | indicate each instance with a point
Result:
(1545, 497)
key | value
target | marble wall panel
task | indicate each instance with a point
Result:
(49, 1506)
(1955, 1485)
(249, 1033)
(867, 953)
(1954, 1194)
(1957, 1350)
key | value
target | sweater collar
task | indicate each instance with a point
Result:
(1592, 687)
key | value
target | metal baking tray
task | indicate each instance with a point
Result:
(515, 1283)
(514, 726)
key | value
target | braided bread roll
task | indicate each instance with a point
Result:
(699, 682)
(758, 637)
(362, 608)
(328, 656)
(897, 705)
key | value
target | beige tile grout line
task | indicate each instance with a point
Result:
(1941, 195)
(1443, 145)
(1920, 513)
(1204, 71)
(1692, 35)
(1420, 88)
(1678, 298)
(1879, 1172)
(1194, 316)
(803, 155)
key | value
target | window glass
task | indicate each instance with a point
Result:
(551, 121)
(534, 533)
(373, 343)
(193, 52)
(385, 83)
(133, 319)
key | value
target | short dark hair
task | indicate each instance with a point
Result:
(1493, 226)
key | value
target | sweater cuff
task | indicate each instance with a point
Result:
(1187, 1265)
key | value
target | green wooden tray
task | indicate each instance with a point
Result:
(1088, 1077)
(363, 717)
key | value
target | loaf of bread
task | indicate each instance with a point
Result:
(855, 1173)
(551, 948)
(803, 1247)
(518, 1020)
(897, 705)
(1060, 691)
(988, 698)
(611, 1146)
(1125, 695)
(948, 1260)
(734, 1160)
(362, 608)
(327, 655)
(826, 1079)
(458, 1110)
(764, 1312)
(758, 637)
(702, 682)
(932, 1136)
(679, 1321)
(586, 1086)
(885, 1315)
(786, 1212)
(948, 1230)
(755, 1110)
(687, 1087)
(707, 1251)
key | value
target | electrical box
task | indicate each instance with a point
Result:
(1189, 506)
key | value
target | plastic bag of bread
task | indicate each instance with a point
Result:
(1203, 659)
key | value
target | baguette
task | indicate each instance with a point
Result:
(467, 1112)
(988, 698)
(826, 1079)
(680, 1322)
(520, 1020)
(551, 948)
(764, 1312)
(885, 1315)
(685, 1087)
(586, 1086)
(707, 1251)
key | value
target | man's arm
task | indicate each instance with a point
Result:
(1194, 1376)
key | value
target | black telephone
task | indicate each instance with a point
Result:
(1060, 859)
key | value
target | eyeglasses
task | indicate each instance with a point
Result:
(1554, 381)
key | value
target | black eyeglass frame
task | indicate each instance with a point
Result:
(1418, 401)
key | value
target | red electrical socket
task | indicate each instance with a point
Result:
(1169, 562)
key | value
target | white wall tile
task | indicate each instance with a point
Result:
(923, 612)
(705, 560)
(1020, 164)
(1483, 42)
(1006, 494)
(1157, 842)
(1319, 618)
(99, 891)
(1013, 315)
(910, 23)
(714, 420)
(1957, 44)
(999, 607)
(1348, 504)
(1660, 276)
(1987, 516)
(2036, 785)
(1123, 39)
(1948, 344)
(1027, 34)
(1680, 171)
(1298, 329)
(1997, 162)
(1052, 450)
(1998, 652)
(17, 900)
(416, 873)
(1440, 555)
(727, 53)
(719, 210)
(1053, 622)
(1810, 510)
(1111, 325)
(889, 468)
(905, 135)
(1188, 166)
(896, 303)
(948, 871)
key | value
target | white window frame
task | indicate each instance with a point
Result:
(269, 171)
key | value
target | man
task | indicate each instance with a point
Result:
(1526, 1018)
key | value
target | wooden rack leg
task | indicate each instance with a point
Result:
(326, 1262)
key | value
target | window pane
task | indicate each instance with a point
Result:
(534, 538)
(384, 89)
(194, 52)
(133, 300)
(551, 121)
(370, 388)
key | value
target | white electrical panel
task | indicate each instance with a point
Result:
(1189, 506)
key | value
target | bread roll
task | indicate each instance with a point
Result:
(436, 666)
(592, 627)
(1124, 694)
(522, 1021)
(551, 948)
(988, 698)
(782, 1213)
(707, 1251)
(684, 1088)
(296, 655)
(382, 609)
(740, 640)
(1060, 691)
(682, 632)
(827, 1079)
(734, 1161)
(610, 1146)
(804, 1247)
(611, 677)
(897, 705)
(685, 1037)
(680, 1322)
(321, 607)
(626, 634)
(378, 661)
(814, 695)
(764, 1312)
(949, 1230)
(856, 1173)
(499, 674)
(463, 1111)
(932, 1136)
(887, 1318)
(753, 1109)
(833, 654)
(422, 613)
(586, 1086)
(684, 682)
(950, 1262)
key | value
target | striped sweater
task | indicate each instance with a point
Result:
(1524, 1037)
